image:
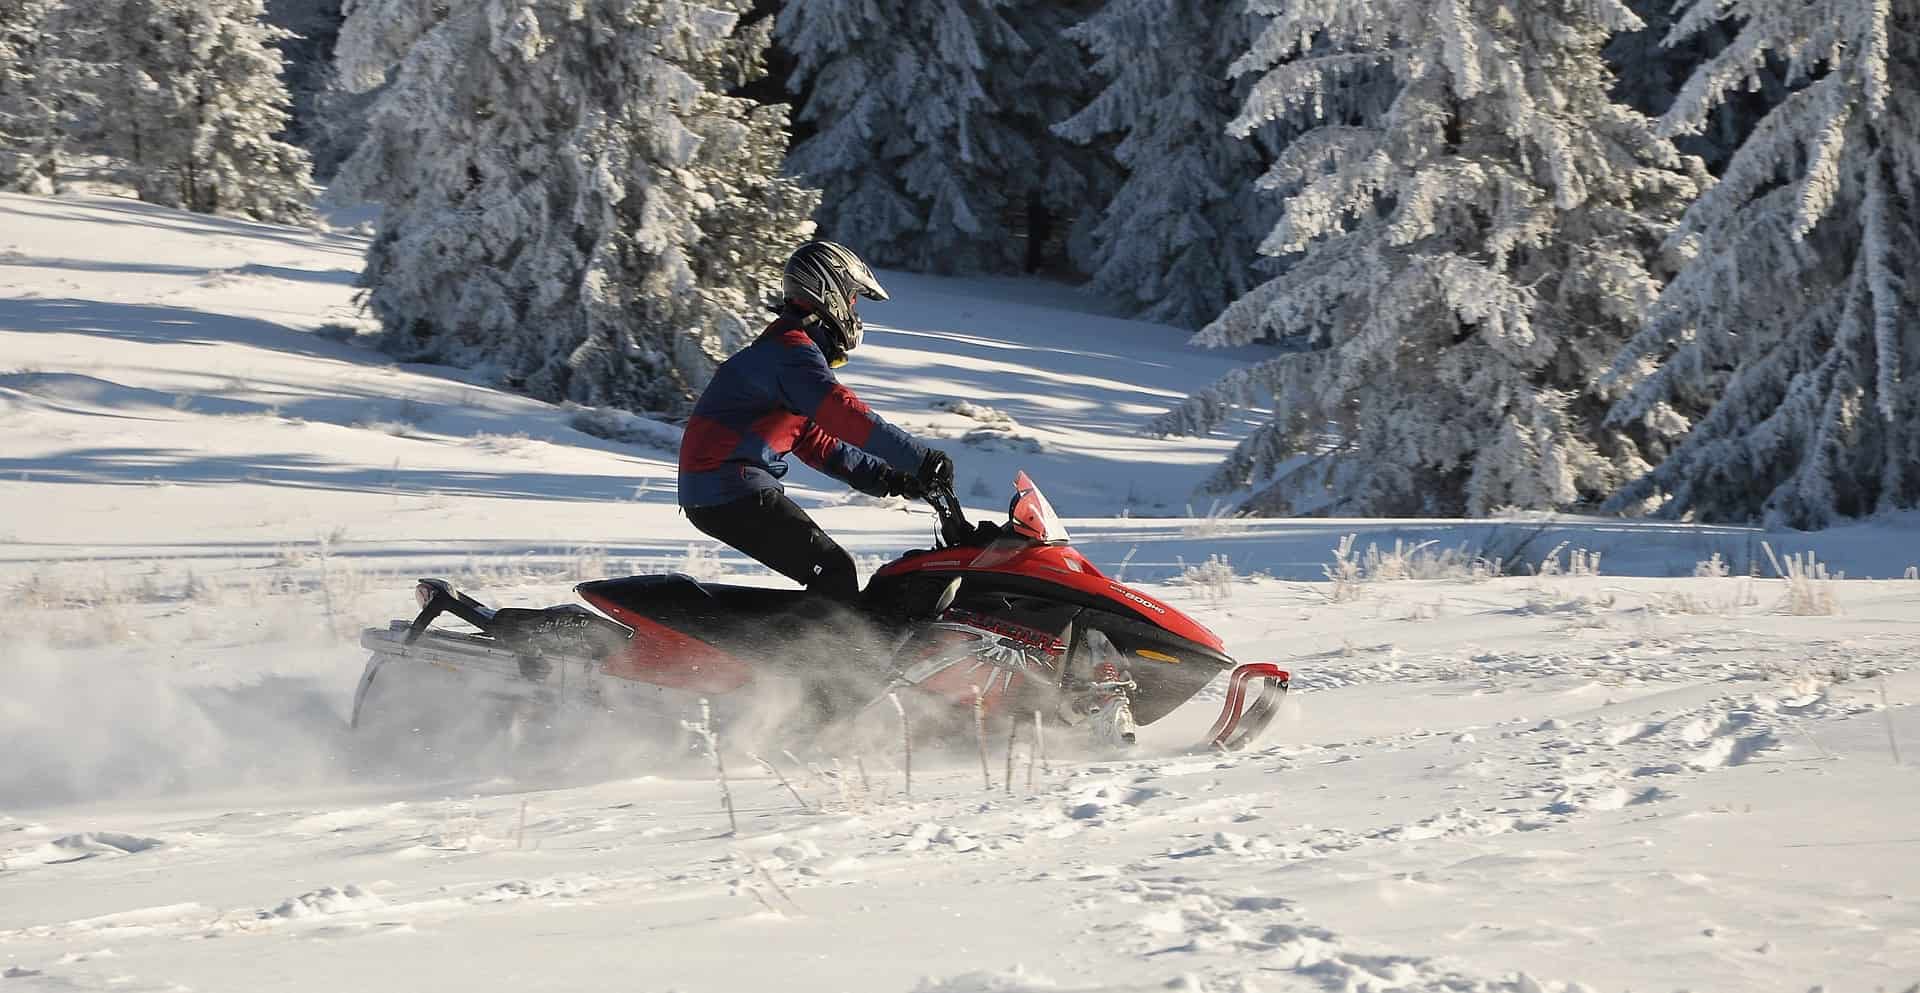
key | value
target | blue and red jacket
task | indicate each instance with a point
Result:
(774, 397)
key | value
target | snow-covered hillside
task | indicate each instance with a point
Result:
(1641, 762)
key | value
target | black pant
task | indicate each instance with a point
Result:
(774, 530)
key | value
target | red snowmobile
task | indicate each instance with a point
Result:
(995, 623)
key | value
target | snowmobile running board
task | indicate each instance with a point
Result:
(1239, 724)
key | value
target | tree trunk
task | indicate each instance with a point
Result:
(1039, 233)
(48, 164)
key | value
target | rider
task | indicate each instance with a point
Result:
(779, 396)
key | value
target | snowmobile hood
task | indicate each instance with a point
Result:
(1063, 568)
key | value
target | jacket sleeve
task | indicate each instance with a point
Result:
(840, 460)
(808, 388)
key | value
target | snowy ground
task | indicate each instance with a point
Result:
(1625, 779)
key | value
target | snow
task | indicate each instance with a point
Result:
(1561, 779)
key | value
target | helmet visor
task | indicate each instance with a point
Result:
(863, 279)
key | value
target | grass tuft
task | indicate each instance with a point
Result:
(1810, 591)
(1350, 571)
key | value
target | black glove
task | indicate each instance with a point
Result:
(936, 471)
(893, 482)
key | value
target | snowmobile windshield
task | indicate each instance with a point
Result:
(1031, 515)
(1030, 518)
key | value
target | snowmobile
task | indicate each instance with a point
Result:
(996, 623)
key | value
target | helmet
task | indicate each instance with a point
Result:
(824, 278)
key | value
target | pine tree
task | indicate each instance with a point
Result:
(190, 103)
(1653, 64)
(570, 200)
(925, 160)
(1477, 225)
(375, 36)
(40, 91)
(1780, 361)
(306, 51)
(1070, 180)
(1179, 238)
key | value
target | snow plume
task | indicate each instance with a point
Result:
(781, 711)
(84, 726)
(102, 725)
(80, 726)
(426, 721)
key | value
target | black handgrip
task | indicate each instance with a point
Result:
(954, 529)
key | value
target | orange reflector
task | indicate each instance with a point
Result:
(1148, 653)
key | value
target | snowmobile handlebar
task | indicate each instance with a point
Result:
(954, 527)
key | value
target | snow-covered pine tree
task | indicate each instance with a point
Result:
(1068, 181)
(571, 200)
(1476, 220)
(919, 163)
(191, 101)
(1782, 358)
(313, 27)
(375, 35)
(27, 162)
(1179, 238)
(40, 91)
(1652, 65)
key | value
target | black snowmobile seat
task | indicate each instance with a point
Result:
(719, 614)
(678, 594)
